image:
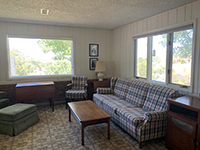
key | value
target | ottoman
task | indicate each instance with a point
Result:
(16, 118)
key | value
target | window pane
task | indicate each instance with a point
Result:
(142, 57)
(37, 57)
(159, 57)
(182, 57)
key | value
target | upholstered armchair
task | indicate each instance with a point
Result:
(77, 90)
(4, 102)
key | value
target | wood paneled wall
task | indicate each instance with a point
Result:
(82, 37)
(122, 51)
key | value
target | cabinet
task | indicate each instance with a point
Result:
(183, 123)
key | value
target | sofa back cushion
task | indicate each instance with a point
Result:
(121, 87)
(156, 98)
(113, 81)
(137, 93)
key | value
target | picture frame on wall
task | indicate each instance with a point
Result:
(92, 63)
(93, 50)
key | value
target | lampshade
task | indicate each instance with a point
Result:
(100, 66)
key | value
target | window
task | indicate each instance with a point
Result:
(39, 57)
(169, 55)
(182, 57)
(142, 57)
(159, 53)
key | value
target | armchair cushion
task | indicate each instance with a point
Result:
(79, 82)
(104, 91)
(2, 94)
(76, 94)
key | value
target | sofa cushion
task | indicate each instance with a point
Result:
(156, 98)
(121, 87)
(16, 111)
(137, 93)
(99, 98)
(113, 81)
(131, 114)
(113, 105)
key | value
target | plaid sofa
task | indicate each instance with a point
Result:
(137, 107)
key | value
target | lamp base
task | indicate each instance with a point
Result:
(100, 76)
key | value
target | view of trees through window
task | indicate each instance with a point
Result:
(181, 57)
(36, 57)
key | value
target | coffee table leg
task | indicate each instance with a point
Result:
(82, 126)
(69, 114)
(109, 128)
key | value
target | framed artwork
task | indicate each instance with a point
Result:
(92, 63)
(94, 50)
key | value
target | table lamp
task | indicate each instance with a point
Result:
(100, 68)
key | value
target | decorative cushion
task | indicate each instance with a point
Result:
(17, 111)
(79, 82)
(137, 93)
(76, 94)
(156, 98)
(104, 91)
(121, 87)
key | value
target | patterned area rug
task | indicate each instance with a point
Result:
(55, 132)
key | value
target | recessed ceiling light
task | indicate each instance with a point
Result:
(44, 11)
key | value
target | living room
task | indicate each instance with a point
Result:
(115, 49)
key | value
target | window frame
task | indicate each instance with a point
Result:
(169, 31)
(38, 76)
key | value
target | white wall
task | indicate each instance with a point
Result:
(82, 37)
(123, 46)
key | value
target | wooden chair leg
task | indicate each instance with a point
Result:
(66, 103)
(140, 145)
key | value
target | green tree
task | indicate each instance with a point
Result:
(61, 48)
(142, 67)
(183, 41)
(24, 66)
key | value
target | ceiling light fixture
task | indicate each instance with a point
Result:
(44, 11)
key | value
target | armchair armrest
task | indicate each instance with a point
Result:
(104, 91)
(2, 94)
(69, 86)
(85, 87)
(155, 116)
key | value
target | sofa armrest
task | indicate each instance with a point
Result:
(2, 94)
(138, 121)
(155, 116)
(68, 86)
(104, 91)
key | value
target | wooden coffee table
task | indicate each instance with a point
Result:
(88, 113)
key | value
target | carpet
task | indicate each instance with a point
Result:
(55, 132)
